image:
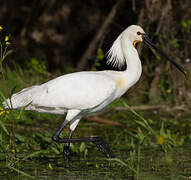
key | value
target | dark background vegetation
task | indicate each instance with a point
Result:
(54, 37)
(67, 34)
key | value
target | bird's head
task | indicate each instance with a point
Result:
(136, 34)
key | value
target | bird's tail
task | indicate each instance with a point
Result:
(20, 99)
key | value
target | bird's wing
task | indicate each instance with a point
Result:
(82, 90)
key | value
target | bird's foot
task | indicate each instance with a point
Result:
(103, 147)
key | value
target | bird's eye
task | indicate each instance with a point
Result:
(138, 33)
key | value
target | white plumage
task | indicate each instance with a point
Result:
(85, 92)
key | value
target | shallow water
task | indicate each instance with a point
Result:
(155, 163)
(95, 166)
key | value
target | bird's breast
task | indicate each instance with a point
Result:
(121, 82)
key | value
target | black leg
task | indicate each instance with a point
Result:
(99, 142)
(56, 136)
(67, 150)
(103, 147)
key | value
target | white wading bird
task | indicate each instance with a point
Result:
(85, 92)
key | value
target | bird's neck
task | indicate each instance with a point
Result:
(121, 50)
(134, 68)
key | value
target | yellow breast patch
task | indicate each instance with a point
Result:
(120, 82)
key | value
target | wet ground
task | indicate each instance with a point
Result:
(147, 160)
(97, 167)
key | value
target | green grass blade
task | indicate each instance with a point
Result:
(146, 125)
(122, 163)
(4, 128)
(20, 172)
(34, 154)
(6, 54)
